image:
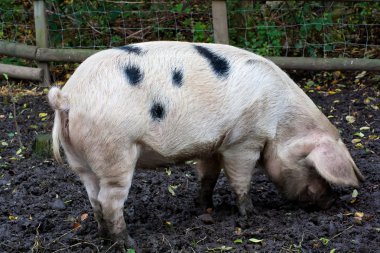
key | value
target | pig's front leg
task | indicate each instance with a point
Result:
(239, 162)
(115, 182)
(208, 172)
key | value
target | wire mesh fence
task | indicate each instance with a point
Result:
(270, 28)
(292, 28)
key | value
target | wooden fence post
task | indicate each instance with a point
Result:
(40, 22)
(219, 21)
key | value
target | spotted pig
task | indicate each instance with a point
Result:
(152, 104)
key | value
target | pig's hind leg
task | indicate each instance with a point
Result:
(114, 183)
(208, 172)
(239, 162)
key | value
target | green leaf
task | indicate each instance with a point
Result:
(171, 189)
(18, 151)
(131, 251)
(168, 171)
(254, 240)
(4, 143)
(332, 251)
(42, 114)
(365, 128)
(5, 76)
(238, 241)
(355, 193)
(360, 134)
(324, 240)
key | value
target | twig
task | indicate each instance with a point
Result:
(341, 232)
(77, 244)
(113, 245)
(14, 113)
(170, 245)
(59, 237)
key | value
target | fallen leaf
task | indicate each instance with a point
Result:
(359, 145)
(350, 119)
(12, 217)
(84, 216)
(238, 231)
(356, 141)
(171, 189)
(358, 217)
(359, 214)
(238, 241)
(76, 225)
(361, 75)
(254, 240)
(365, 128)
(42, 114)
(359, 134)
(355, 193)
(324, 240)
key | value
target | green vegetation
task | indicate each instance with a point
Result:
(291, 28)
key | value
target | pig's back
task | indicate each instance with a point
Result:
(170, 96)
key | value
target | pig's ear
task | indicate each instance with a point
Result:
(333, 162)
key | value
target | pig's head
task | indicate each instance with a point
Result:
(304, 167)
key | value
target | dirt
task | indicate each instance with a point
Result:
(44, 207)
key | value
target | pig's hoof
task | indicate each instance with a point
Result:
(125, 242)
(245, 206)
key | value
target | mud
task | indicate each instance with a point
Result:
(44, 207)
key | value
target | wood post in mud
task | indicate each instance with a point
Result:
(219, 22)
(40, 22)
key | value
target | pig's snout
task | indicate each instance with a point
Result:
(323, 199)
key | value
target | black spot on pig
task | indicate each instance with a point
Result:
(131, 49)
(218, 64)
(134, 75)
(157, 111)
(177, 77)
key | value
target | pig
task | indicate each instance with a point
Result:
(152, 104)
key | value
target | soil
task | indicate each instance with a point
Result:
(44, 207)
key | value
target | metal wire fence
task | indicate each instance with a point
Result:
(270, 28)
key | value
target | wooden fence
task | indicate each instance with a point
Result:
(43, 54)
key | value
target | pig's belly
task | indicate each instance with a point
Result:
(161, 156)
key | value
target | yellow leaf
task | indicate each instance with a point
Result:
(375, 107)
(356, 140)
(12, 217)
(42, 114)
(365, 128)
(359, 214)
(331, 92)
(359, 145)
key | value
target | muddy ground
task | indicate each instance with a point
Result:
(44, 208)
